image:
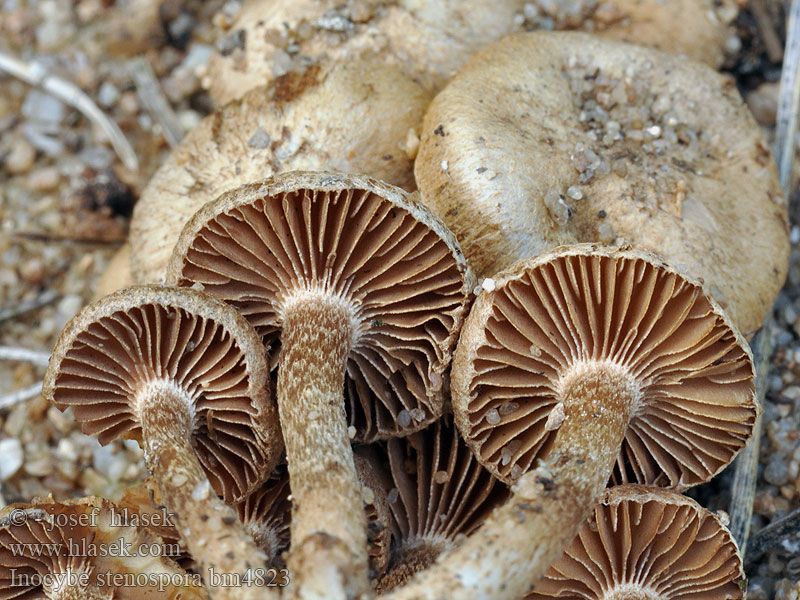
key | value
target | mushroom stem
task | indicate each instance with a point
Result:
(212, 531)
(318, 333)
(514, 547)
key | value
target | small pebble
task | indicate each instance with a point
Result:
(44, 179)
(20, 159)
(11, 457)
(108, 94)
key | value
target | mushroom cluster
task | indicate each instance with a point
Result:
(322, 386)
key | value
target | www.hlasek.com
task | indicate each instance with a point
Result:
(260, 577)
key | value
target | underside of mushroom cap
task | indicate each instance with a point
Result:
(394, 269)
(119, 349)
(437, 494)
(649, 544)
(546, 139)
(620, 314)
(267, 515)
(326, 116)
(48, 547)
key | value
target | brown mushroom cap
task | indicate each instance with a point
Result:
(649, 544)
(618, 311)
(79, 549)
(438, 493)
(331, 116)
(395, 268)
(546, 139)
(116, 350)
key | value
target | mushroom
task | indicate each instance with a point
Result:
(361, 284)
(650, 544)
(438, 493)
(185, 375)
(80, 550)
(331, 116)
(431, 41)
(579, 365)
(546, 139)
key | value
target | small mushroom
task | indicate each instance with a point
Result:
(186, 375)
(354, 118)
(558, 138)
(359, 282)
(654, 383)
(80, 550)
(438, 493)
(650, 544)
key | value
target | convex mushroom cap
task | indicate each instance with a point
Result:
(354, 117)
(546, 139)
(650, 544)
(67, 550)
(431, 41)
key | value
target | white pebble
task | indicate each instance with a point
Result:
(11, 457)
(108, 94)
(417, 414)
(351, 432)
(488, 284)
(403, 418)
(21, 157)
(201, 490)
(444, 165)
(574, 192)
(655, 131)
(492, 416)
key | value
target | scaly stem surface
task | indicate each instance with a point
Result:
(212, 531)
(514, 547)
(329, 535)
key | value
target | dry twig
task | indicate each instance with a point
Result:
(149, 93)
(744, 481)
(11, 312)
(35, 74)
